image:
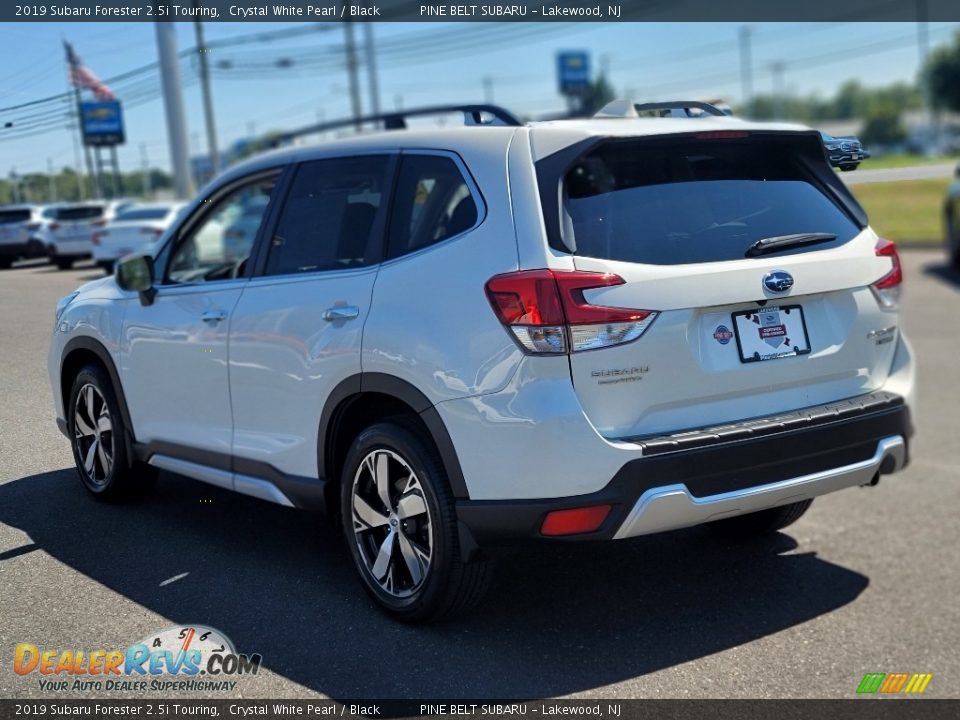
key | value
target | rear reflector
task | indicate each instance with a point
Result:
(888, 288)
(547, 312)
(575, 521)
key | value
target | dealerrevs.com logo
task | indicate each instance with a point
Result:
(192, 658)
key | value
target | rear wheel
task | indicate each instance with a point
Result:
(757, 524)
(401, 527)
(106, 266)
(62, 263)
(953, 241)
(98, 439)
(848, 167)
(5, 262)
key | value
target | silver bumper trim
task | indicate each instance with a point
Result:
(672, 506)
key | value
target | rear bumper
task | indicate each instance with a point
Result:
(712, 473)
(28, 249)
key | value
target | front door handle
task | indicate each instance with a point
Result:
(214, 316)
(341, 312)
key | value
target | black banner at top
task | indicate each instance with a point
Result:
(481, 11)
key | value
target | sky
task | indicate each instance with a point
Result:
(299, 79)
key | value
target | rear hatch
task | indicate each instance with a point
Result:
(13, 225)
(133, 230)
(77, 223)
(738, 329)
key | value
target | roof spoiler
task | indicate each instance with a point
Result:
(669, 108)
(397, 120)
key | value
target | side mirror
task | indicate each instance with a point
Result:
(135, 273)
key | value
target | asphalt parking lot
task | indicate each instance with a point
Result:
(867, 581)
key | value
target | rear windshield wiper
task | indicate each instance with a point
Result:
(778, 242)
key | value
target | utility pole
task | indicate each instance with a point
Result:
(212, 147)
(371, 60)
(173, 104)
(51, 184)
(746, 68)
(488, 90)
(777, 69)
(923, 50)
(145, 171)
(350, 49)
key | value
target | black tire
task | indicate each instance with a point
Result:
(106, 266)
(953, 241)
(62, 263)
(448, 586)
(848, 168)
(124, 478)
(758, 524)
(5, 262)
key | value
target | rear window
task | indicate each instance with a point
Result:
(87, 212)
(675, 201)
(143, 214)
(14, 216)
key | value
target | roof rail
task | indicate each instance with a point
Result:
(669, 108)
(397, 120)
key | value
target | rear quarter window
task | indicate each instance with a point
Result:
(88, 212)
(8, 217)
(676, 201)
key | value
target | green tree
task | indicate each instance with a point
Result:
(942, 74)
(597, 94)
(883, 126)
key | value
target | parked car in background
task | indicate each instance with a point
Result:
(70, 232)
(132, 230)
(951, 220)
(845, 152)
(18, 224)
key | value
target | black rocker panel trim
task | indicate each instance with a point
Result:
(304, 493)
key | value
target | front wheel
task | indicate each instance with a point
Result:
(953, 241)
(758, 524)
(401, 527)
(98, 439)
(62, 263)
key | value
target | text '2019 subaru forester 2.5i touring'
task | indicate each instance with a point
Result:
(453, 339)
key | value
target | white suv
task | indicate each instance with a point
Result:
(453, 339)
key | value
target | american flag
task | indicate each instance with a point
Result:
(82, 77)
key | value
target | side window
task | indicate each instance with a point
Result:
(432, 202)
(219, 246)
(329, 216)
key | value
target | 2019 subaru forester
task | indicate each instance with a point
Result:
(576, 330)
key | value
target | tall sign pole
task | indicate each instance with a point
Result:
(173, 104)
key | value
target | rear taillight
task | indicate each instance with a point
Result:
(547, 312)
(99, 223)
(54, 226)
(888, 288)
(32, 226)
(97, 237)
(155, 232)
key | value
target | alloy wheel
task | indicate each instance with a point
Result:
(392, 526)
(93, 434)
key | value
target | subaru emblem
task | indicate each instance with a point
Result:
(778, 281)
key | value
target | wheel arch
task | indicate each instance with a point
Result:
(368, 397)
(81, 351)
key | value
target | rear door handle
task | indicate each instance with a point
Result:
(214, 316)
(341, 312)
